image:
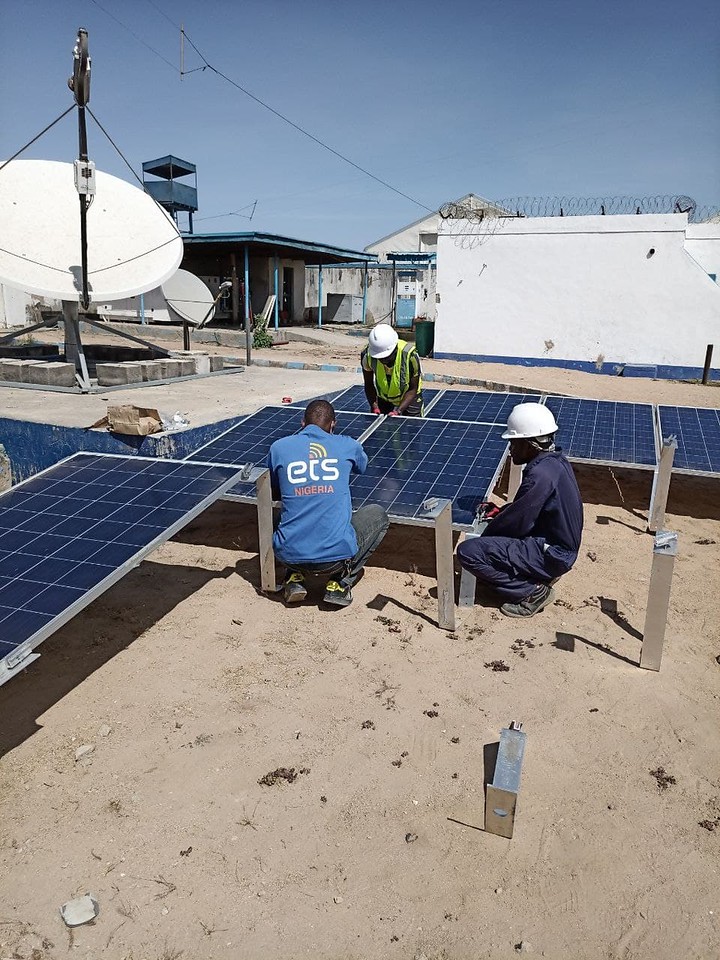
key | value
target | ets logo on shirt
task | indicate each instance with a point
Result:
(314, 475)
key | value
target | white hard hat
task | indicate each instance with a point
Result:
(528, 421)
(382, 341)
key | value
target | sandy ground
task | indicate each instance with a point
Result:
(375, 850)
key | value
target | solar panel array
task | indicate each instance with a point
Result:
(698, 435)
(411, 460)
(70, 532)
(354, 400)
(605, 431)
(478, 406)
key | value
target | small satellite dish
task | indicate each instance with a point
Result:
(189, 297)
(133, 244)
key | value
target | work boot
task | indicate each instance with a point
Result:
(532, 604)
(337, 595)
(294, 588)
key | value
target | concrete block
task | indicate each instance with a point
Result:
(51, 374)
(187, 367)
(150, 370)
(11, 371)
(119, 374)
(216, 363)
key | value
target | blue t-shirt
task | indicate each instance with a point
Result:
(311, 473)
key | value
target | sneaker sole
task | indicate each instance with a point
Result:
(297, 597)
(527, 616)
(337, 602)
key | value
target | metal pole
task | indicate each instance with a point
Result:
(708, 361)
(320, 278)
(365, 286)
(248, 332)
(661, 485)
(664, 553)
(277, 296)
(263, 488)
(142, 309)
(74, 352)
(444, 567)
(502, 793)
(186, 335)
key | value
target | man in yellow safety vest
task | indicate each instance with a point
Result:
(392, 374)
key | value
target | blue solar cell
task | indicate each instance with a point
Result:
(411, 460)
(64, 541)
(605, 430)
(698, 436)
(353, 399)
(478, 406)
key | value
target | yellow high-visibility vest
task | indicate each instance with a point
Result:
(393, 389)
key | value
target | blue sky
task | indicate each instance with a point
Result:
(502, 99)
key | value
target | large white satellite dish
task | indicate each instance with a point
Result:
(133, 244)
(189, 297)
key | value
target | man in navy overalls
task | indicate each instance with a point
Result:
(529, 543)
(318, 532)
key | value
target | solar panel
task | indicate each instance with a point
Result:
(412, 459)
(250, 440)
(479, 406)
(698, 435)
(354, 400)
(605, 431)
(70, 532)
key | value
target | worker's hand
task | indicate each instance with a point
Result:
(486, 510)
(394, 413)
(374, 408)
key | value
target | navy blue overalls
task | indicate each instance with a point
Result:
(534, 539)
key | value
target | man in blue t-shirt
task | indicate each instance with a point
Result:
(318, 532)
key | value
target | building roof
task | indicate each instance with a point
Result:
(471, 199)
(272, 245)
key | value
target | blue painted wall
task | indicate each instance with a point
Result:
(662, 372)
(32, 447)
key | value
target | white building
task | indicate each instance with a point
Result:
(597, 293)
(400, 288)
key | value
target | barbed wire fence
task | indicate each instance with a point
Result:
(579, 206)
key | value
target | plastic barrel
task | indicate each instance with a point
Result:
(424, 337)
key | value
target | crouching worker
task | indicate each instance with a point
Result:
(318, 532)
(392, 374)
(529, 543)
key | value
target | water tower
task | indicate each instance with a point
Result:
(170, 194)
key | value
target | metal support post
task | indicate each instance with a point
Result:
(143, 318)
(468, 582)
(515, 479)
(502, 793)
(661, 485)
(444, 565)
(707, 364)
(664, 553)
(365, 289)
(263, 488)
(248, 324)
(276, 310)
(74, 352)
(320, 279)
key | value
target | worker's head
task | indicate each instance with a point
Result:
(382, 342)
(320, 413)
(531, 430)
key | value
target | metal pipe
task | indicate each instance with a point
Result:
(248, 332)
(277, 297)
(365, 286)
(142, 309)
(708, 361)
(319, 294)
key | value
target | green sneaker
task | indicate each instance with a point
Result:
(294, 588)
(531, 605)
(337, 595)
